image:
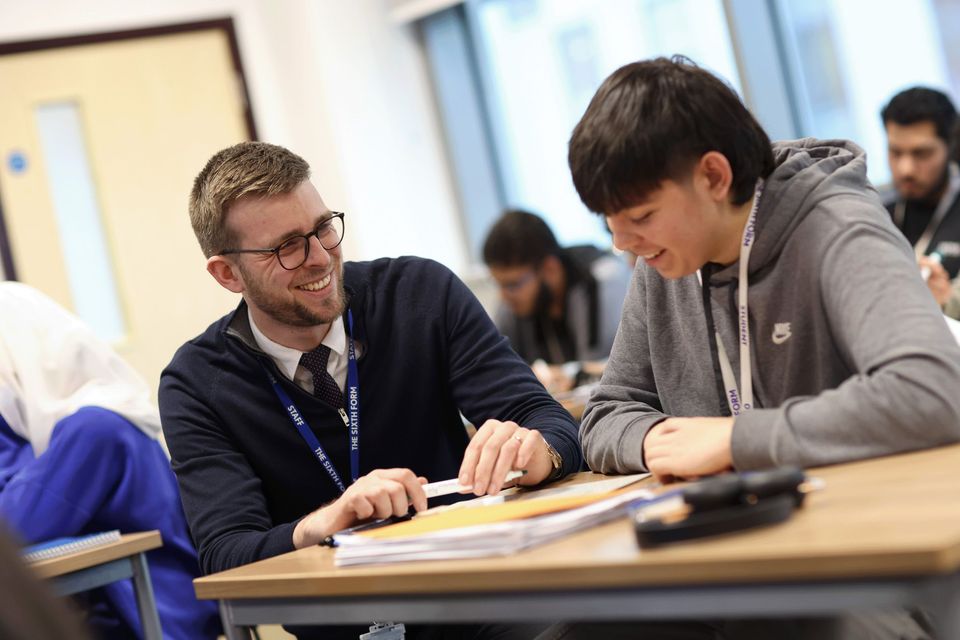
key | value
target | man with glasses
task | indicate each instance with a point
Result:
(335, 389)
(560, 305)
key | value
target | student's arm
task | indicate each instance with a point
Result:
(905, 394)
(496, 389)
(625, 404)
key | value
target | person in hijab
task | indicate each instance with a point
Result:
(79, 454)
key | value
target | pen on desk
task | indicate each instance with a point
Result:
(432, 489)
(446, 487)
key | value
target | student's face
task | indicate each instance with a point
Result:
(309, 295)
(519, 288)
(676, 230)
(918, 159)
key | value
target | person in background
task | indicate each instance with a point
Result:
(945, 291)
(775, 317)
(925, 204)
(335, 389)
(79, 454)
(559, 305)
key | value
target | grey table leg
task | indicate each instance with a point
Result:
(146, 603)
(231, 630)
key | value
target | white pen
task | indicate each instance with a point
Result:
(446, 487)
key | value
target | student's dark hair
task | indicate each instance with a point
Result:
(519, 238)
(650, 121)
(920, 104)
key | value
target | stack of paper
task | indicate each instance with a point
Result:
(484, 529)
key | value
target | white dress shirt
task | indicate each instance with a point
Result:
(288, 360)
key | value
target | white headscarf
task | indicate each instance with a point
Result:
(52, 364)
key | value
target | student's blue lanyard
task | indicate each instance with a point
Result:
(350, 417)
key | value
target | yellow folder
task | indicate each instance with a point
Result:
(487, 514)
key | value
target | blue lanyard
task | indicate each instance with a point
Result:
(353, 402)
(350, 420)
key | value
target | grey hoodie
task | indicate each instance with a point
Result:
(866, 366)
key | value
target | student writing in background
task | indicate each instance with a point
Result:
(559, 305)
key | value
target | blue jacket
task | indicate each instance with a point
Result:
(428, 353)
(100, 472)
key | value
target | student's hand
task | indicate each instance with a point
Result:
(688, 447)
(499, 447)
(379, 494)
(553, 377)
(939, 280)
(594, 368)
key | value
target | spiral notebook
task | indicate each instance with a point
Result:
(65, 546)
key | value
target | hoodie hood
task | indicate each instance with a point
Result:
(807, 172)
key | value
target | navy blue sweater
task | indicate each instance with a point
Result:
(428, 352)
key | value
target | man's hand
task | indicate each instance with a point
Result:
(379, 494)
(938, 280)
(688, 447)
(499, 447)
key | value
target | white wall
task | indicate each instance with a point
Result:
(334, 80)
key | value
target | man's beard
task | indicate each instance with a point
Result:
(932, 195)
(292, 312)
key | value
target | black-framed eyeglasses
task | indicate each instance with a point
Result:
(293, 252)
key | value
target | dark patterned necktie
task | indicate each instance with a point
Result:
(324, 386)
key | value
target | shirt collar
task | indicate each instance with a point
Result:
(288, 359)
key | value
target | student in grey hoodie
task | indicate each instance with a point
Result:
(776, 316)
(849, 357)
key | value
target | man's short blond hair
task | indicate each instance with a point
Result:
(245, 169)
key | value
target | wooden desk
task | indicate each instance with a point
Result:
(102, 565)
(575, 400)
(882, 534)
(574, 407)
